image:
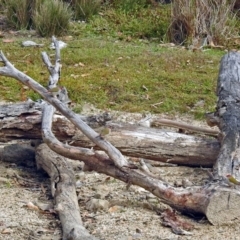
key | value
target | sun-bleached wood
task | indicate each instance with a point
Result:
(23, 120)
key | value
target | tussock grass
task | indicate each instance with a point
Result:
(85, 9)
(18, 13)
(52, 18)
(48, 17)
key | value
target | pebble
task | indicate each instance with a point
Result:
(95, 205)
(80, 176)
(115, 208)
(29, 43)
(79, 184)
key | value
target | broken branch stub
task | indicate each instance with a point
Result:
(55, 71)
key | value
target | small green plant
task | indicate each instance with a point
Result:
(8, 184)
(129, 5)
(77, 108)
(85, 9)
(52, 18)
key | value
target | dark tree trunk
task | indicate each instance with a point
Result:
(228, 111)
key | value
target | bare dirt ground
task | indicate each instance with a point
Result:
(26, 205)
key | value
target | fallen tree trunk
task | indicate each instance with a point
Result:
(23, 121)
(64, 192)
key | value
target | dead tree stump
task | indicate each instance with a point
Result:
(226, 205)
(228, 111)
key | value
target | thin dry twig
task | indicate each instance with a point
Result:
(182, 125)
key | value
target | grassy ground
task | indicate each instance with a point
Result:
(133, 75)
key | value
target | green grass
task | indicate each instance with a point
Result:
(130, 76)
(115, 61)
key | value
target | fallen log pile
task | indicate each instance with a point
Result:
(23, 121)
(217, 200)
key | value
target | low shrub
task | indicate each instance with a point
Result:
(145, 23)
(85, 9)
(17, 13)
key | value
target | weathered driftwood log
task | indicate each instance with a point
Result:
(23, 121)
(228, 113)
(64, 192)
(184, 126)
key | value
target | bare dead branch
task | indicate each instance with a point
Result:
(185, 126)
(194, 199)
(182, 199)
(55, 71)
